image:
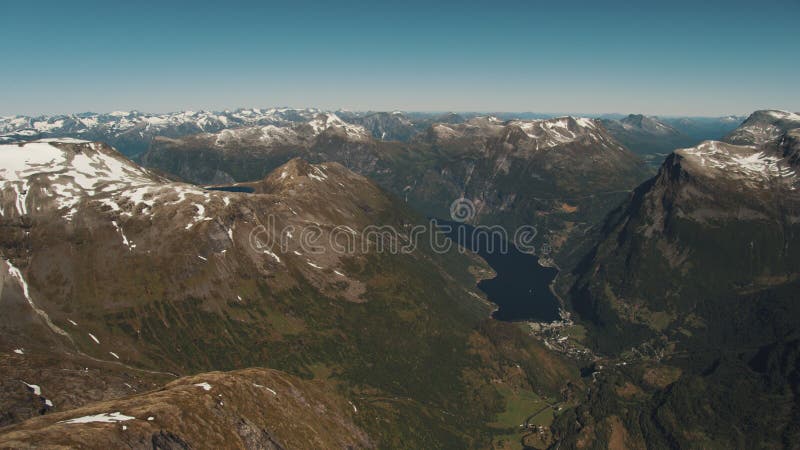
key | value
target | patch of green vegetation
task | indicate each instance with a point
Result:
(519, 405)
(544, 418)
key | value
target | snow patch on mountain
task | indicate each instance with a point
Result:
(764, 126)
(539, 134)
(120, 123)
(72, 174)
(16, 274)
(102, 418)
(754, 165)
(34, 388)
(324, 122)
(784, 115)
(301, 133)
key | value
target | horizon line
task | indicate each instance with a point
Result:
(407, 111)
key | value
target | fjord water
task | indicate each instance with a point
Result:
(521, 289)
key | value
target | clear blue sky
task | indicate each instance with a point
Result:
(670, 58)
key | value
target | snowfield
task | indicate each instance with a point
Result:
(72, 173)
(750, 164)
(102, 418)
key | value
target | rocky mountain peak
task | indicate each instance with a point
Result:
(298, 170)
(772, 116)
(763, 126)
(634, 119)
(331, 123)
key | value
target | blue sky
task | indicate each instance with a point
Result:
(673, 58)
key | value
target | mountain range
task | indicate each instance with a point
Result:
(132, 131)
(177, 301)
(117, 280)
(556, 173)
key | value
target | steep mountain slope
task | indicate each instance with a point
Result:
(692, 297)
(132, 131)
(554, 173)
(138, 279)
(718, 222)
(763, 126)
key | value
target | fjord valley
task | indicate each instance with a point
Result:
(400, 225)
(118, 280)
(177, 302)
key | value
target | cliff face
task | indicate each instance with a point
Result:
(691, 298)
(718, 223)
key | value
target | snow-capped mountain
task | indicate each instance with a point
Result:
(703, 260)
(529, 135)
(249, 153)
(387, 126)
(132, 131)
(718, 222)
(745, 165)
(122, 293)
(763, 126)
(700, 262)
(66, 175)
(296, 133)
(398, 125)
(517, 171)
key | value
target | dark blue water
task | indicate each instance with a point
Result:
(246, 189)
(521, 289)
